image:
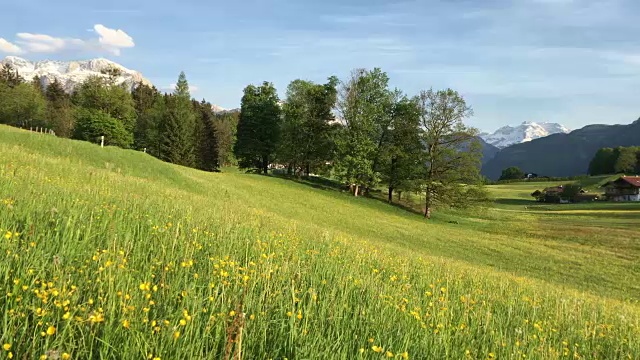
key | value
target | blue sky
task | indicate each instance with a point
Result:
(570, 61)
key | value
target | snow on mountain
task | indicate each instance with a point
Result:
(72, 73)
(527, 131)
(220, 110)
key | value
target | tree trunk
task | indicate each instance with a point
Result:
(427, 205)
(308, 167)
(290, 169)
(265, 164)
(399, 195)
(355, 192)
(390, 199)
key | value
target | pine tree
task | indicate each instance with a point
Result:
(146, 129)
(258, 127)
(59, 109)
(225, 127)
(177, 127)
(10, 76)
(205, 137)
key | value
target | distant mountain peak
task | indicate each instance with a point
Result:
(527, 131)
(72, 73)
(217, 109)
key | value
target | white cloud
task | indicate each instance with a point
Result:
(109, 40)
(40, 43)
(113, 40)
(7, 47)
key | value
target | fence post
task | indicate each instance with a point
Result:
(102, 141)
(145, 150)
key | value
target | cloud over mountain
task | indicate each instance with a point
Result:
(108, 40)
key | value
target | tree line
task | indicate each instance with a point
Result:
(615, 161)
(172, 127)
(366, 135)
(357, 130)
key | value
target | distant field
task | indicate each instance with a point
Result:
(114, 254)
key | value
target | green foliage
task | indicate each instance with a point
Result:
(177, 128)
(400, 166)
(225, 127)
(512, 173)
(91, 124)
(102, 94)
(9, 76)
(258, 132)
(59, 111)
(452, 152)
(364, 105)
(206, 150)
(21, 105)
(618, 160)
(306, 131)
(147, 102)
(627, 159)
(570, 191)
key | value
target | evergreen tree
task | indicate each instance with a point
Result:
(258, 127)
(603, 162)
(205, 137)
(177, 126)
(59, 109)
(145, 134)
(225, 127)
(9, 76)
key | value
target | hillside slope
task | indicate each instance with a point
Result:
(563, 154)
(168, 256)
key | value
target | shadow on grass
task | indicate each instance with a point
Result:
(321, 183)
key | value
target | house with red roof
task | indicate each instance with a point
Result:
(625, 188)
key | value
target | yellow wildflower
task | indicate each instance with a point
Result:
(126, 324)
(51, 330)
(389, 354)
(6, 347)
(66, 356)
(377, 348)
(176, 334)
(405, 355)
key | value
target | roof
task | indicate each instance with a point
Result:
(631, 180)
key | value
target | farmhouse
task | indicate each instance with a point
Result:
(625, 188)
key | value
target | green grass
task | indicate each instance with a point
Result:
(96, 239)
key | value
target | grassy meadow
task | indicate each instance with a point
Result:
(110, 253)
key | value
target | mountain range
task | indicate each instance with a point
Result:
(562, 154)
(527, 131)
(72, 73)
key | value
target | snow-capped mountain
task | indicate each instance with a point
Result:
(527, 131)
(72, 73)
(220, 110)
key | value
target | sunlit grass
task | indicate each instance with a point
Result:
(113, 254)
